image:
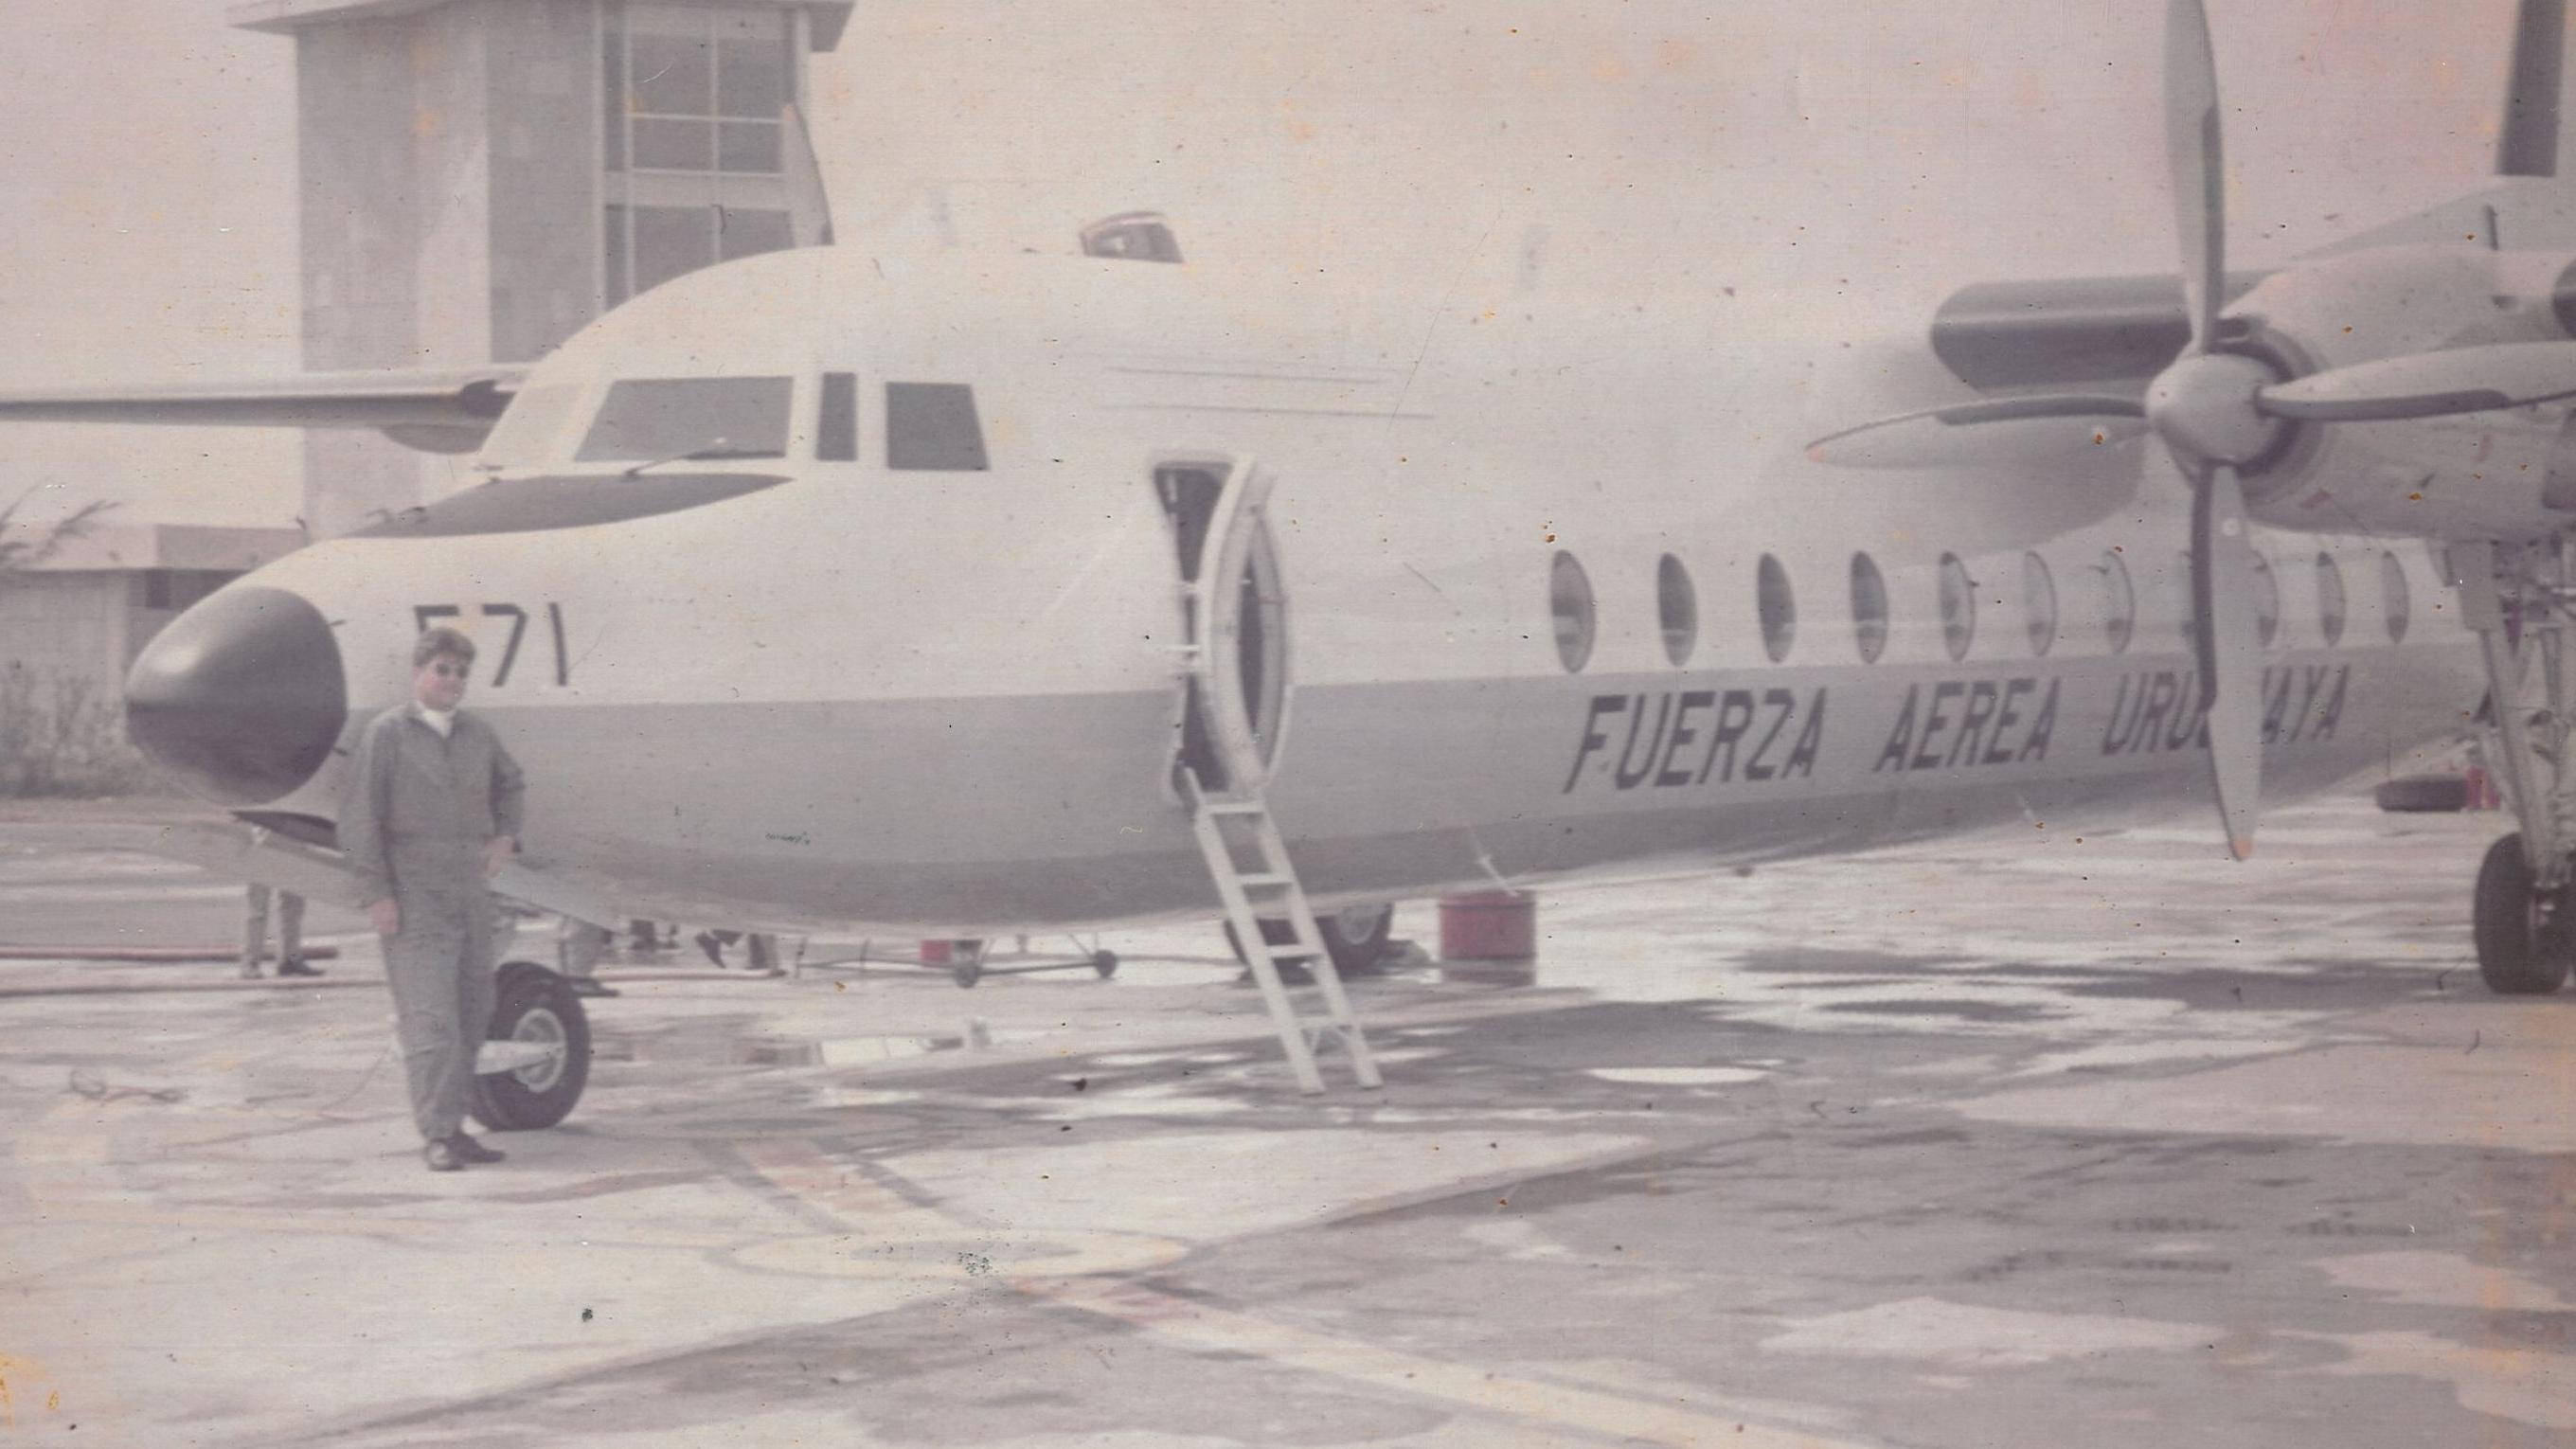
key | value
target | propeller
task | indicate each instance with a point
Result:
(1968, 433)
(2210, 413)
(2200, 410)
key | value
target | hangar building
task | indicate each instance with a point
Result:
(479, 178)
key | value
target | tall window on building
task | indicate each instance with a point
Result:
(691, 137)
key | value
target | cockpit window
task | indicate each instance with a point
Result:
(648, 419)
(527, 432)
(931, 427)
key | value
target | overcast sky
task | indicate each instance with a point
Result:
(1857, 155)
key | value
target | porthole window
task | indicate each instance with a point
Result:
(1677, 606)
(1569, 601)
(2039, 602)
(2267, 600)
(1958, 606)
(2330, 601)
(1778, 607)
(1869, 608)
(2119, 601)
(2395, 601)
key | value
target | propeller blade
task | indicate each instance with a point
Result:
(2428, 384)
(2199, 172)
(1966, 434)
(809, 206)
(2227, 637)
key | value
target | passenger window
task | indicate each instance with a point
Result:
(1869, 608)
(1569, 602)
(1677, 608)
(2330, 600)
(2396, 602)
(1777, 606)
(2267, 600)
(1958, 606)
(2039, 602)
(676, 418)
(836, 431)
(2119, 601)
(931, 427)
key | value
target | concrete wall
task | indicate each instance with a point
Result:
(543, 75)
(443, 151)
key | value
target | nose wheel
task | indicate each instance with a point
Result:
(535, 1057)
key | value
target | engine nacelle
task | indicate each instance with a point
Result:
(2478, 475)
(2485, 474)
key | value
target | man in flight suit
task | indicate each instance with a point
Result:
(432, 811)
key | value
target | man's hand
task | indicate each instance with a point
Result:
(386, 917)
(496, 854)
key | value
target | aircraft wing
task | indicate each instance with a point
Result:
(438, 412)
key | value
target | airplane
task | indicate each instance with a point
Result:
(964, 594)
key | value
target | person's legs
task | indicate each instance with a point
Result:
(425, 966)
(715, 943)
(290, 937)
(254, 932)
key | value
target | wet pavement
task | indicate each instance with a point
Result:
(2023, 1140)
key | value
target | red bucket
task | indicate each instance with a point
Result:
(1489, 926)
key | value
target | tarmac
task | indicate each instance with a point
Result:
(2030, 1139)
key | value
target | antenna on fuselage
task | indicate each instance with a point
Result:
(2527, 139)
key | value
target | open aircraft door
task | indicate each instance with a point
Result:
(1234, 619)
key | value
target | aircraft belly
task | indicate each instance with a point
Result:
(975, 815)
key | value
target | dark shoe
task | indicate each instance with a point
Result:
(714, 948)
(297, 966)
(441, 1155)
(584, 986)
(466, 1149)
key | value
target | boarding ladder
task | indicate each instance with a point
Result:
(1252, 871)
(1221, 767)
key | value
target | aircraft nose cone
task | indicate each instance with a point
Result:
(240, 699)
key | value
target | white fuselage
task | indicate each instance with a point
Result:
(945, 702)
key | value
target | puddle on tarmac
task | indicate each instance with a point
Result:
(779, 1051)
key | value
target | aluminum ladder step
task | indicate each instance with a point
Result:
(1274, 877)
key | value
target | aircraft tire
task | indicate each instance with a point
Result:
(1105, 962)
(534, 1004)
(2522, 951)
(1355, 938)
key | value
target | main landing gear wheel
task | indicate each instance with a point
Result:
(544, 1035)
(2523, 944)
(1105, 962)
(1354, 936)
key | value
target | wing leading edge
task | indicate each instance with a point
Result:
(436, 412)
